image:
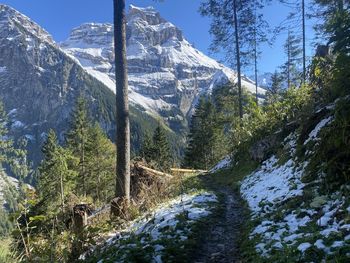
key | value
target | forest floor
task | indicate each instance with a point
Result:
(221, 241)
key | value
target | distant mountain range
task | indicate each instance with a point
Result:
(40, 80)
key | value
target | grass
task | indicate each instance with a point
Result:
(232, 176)
(5, 253)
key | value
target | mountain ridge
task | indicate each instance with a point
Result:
(162, 64)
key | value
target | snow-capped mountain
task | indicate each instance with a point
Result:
(166, 73)
(40, 80)
(39, 83)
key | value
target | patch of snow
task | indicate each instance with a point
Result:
(224, 163)
(12, 112)
(304, 246)
(29, 137)
(17, 124)
(314, 133)
(3, 70)
(166, 217)
(271, 184)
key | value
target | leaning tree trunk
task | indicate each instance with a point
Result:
(122, 192)
(238, 57)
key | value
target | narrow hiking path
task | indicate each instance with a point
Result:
(221, 240)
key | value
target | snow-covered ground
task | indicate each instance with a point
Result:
(289, 218)
(272, 184)
(152, 234)
(224, 163)
(5, 182)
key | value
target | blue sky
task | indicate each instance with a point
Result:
(59, 17)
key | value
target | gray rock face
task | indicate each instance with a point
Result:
(166, 73)
(39, 83)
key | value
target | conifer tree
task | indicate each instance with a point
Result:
(335, 23)
(54, 179)
(147, 148)
(161, 148)
(294, 56)
(297, 19)
(236, 27)
(100, 157)
(204, 140)
(275, 87)
(156, 149)
(77, 138)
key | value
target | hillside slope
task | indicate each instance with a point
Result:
(295, 212)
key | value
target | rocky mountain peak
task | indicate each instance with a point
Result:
(147, 14)
(90, 34)
(147, 26)
(14, 25)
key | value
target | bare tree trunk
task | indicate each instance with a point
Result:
(123, 126)
(238, 57)
(304, 41)
(289, 59)
(83, 164)
(256, 64)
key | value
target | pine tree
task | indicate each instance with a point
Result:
(147, 148)
(205, 138)
(161, 148)
(236, 26)
(77, 138)
(335, 23)
(156, 149)
(293, 51)
(275, 88)
(55, 177)
(100, 156)
(297, 19)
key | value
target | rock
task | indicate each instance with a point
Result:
(318, 201)
(261, 150)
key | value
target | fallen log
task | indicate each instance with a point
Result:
(179, 170)
(152, 171)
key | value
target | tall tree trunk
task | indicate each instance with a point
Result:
(256, 61)
(289, 59)
(238, 57)
(83, 163)
(123, 127)
(304, 41)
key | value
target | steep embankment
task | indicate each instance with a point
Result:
(295, 215)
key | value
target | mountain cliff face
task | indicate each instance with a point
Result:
(166, 73)
(40, 80)
(39, 83)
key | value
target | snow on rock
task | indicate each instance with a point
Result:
(171, 221)
(314, 133)
(272, 183)
(224, 163)
(164, 70)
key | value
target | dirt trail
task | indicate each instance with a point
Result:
(221, 242)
